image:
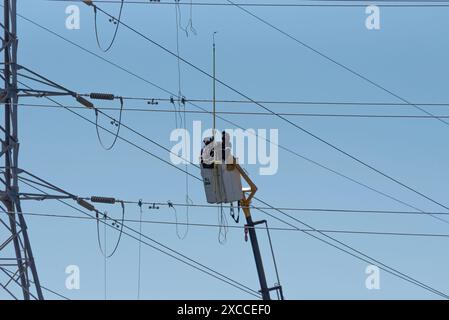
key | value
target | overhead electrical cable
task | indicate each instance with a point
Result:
(341, 246)
(295, 102)
(430, 288)
(406, 278)
(118, 124)
(165, 250)
(208, 225)
(119, 137)
(228, 121)
(307, 132)
(103, 249)
(318, 115)
(117, 25)
(314, 210)
(292, 152)
(183, 116)
(332, 4)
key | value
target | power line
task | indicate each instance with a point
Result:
(428, 289)
(177, 56)
(290, 102)
(315, 210)
(168, 150)
(292, 152)
(111, 43)
(407, 279)
(317, 115)
(400, 4)
(400, 275)
(384, 267)
(120, 137)
(357, 74)
(208, 225)
(193, 263)
(311, 134)
(358, 254)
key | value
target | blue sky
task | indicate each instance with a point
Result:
(408, 55)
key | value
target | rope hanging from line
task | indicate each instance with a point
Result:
(180, 95)
(114, 224)
(189, 25)
(139, 262)
(113, 122)
(183, 118)
(116, 23)
(179, 20)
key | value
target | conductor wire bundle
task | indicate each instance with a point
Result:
(115, 22)
(113, 122)
(115, 224)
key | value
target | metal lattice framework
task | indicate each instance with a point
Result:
(18, 274)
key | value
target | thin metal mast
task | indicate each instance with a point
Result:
(214, 81)
(17, 266)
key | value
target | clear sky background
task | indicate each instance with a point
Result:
(408, 55)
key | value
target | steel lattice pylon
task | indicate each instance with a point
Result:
(18, 274)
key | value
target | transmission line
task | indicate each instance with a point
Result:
(151, 100)
(166, 250)
(317, 115)
(166, 149)
(220, 117)
(350, 250)
(399, 275)
(385, 267)
(428, 288)
(400, 4)
(309, 133)
(209, 225)
(169, 151)
(325, 56)
(111, 43)
(315, 210)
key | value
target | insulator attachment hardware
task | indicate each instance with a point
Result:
(86, 204)
(85, 102)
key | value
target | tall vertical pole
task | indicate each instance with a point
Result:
(257, 256)
(214, 81)
(245, 204)
(24, 260)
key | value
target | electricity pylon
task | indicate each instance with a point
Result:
(18, 272)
